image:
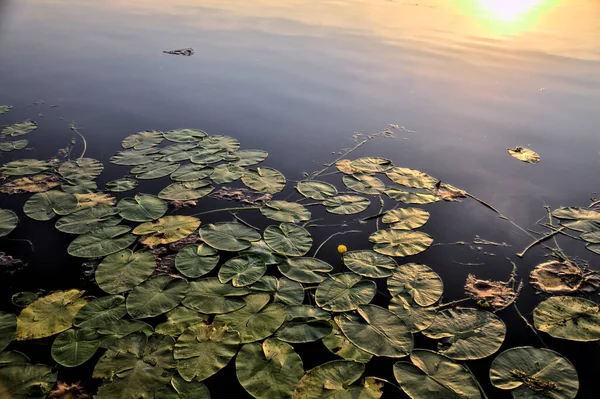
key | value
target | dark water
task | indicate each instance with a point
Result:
(297, 79)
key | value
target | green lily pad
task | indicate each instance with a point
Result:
(119, 329)
(430, 374)
(288, 239)
(343, 292)
(284, 290)
(346, 204)
(406, 218)
(257, 320)
(400, 243)
(196, 260)
(242, 270)
(142, 208)
(377, 331)
(566, 317)
(249, 157)
(49, 315)
(182, 389)
(81, 169)
(328, 380)
(303, 324)
(534, 373)
(167, 229)
(74, 347)
(143, 140)
(135, 367)
(219, 142)
(44, 206)
(178, 319)
(23, 167)
(317, 190)
(5, 109)
(101, 242)
(283, 211)
(156, 296)
(185, 135)
(100, 312)
(410, 195)
(175, 149)
(85, 220)
(266, 180)
(121, 185)
(8, 329)
(8, 358)
(260, 248)
(186, 191)
(122, 271)
(578, 219)
(227, 173)
(524, 154)
(339, 345)
(418, 282)
(371, 165)
(364, 184)
(227, 236)
(207, 156)
(467, 334)
(19, 129)
(269, 370)
(411, 178)
(369, 263)
(24, 380)
(157, 170)
(80, 187)
(210, 296)
(416, 317)
(305, 270)
(8, 222)
(191, 173)
(9, 146)
(25, 298)
(134, 158)
(204, 349)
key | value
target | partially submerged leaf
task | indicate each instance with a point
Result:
(227, 236)
(346, 204)
(449, 193)
(157, 170)
(345, 166)
(305, 270)
(210, 296)
(565, 317)
(498, 294)
(156, 296)
(143, 140)
(186, 191)
(369, 263)
(19, 129)
(33, 184)
(191, 173)
(317, 190)
(101, 242)
(410, 195)
(25, 380)
(406, 218)
(416, 317)
(45, 206)
(411, 178)
(8, 222)
(5, 109)
(418, 282)
(226, 173)
(524, 154)
(117, 330)
(371, 165)
(343, 292)
(363, 183)
(74, 347)
(8, 146)
(83, 187)
(178, 319)
(283, 211)
(329, 379)
(23, 167)
(185, 135)
(578, 219)
(249, 157)
(263, 179)
(167, 229)
(142, 208)
(555, 277)
(400, 243)
(124, 270)
(133, 157)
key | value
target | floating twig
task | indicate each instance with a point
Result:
(239, 208)
(339, 233)
(529, 325)
(239, 219)
(544, 238)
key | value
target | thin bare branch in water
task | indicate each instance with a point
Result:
(530, 326)
(539, 240)
(339, 233)
(239, 208)
(239, 219)
(500, 214)
(443, 305)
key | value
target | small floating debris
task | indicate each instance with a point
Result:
(184, 51)
(524, 154)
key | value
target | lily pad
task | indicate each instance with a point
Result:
(524, 154)
(23, 167)
(101, 242)
(371, 165)
(418, 282)
(556, 277)
(578, 219)
(339, 345)
(346, 204)
(8, 222)
(178, 319)
(317, 190)
(167, 229)
(9, 146)
(100, 312)
(283, 211)
(191, 173)
(207, 156)
(196, 260)
(284, 290)
(411, 178)
(142, 208)
(182, 389)
(156, 296)
(186, 191)
(24, 380)
(430, 374)
(288, 239)
(249, 157)
(345, 166)
(33, 184)
(266, 180)
(377, 331)
(8, 329)
(74, 347)
(80, 187)
(5, 109)
(19, 129)
(44, 206)
(227, 236)
(269, 370)
(81, 169)
(304, 324)
(90, 200)
(89, 219)
(364, 184)
(257, 320)
(49, 315)
(406, 218)
(343, 292)
(210, 296)
(117, 330)
(400, 243)
(220, 142)
(260, 248)
(121, 185)
(410, 195)
(157, 170)
(417, 318)
(134, 158)
(498, 294)
(227, 173)
(204, 349)
(143, 140)
(329, 379)
(369, 263)
(242, 270)
(185, 135)
(565, 317)
(122, 271)
(467, 334)
(305, 270)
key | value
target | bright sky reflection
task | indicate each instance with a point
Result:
(511, 17)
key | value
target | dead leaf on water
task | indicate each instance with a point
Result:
(556, 277)
(33, 184)
(498, 294)
(524, 154)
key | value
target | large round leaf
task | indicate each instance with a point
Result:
(8, 329)
(406, 218)
(9, 146)
(377, 331)
(119, 329)
(284, 290)
(182, 389)
(400, 243)
(242, 270)
(343, 292)
(364, 184)
(467, 334)
(196, 260)
(44, 206)
(418, 282)
(288, 239)
(210, 296)
(410, 195)
(81, 169)
(266, 180)
(566, 317)
(88, 219)
(430, 374)
(185, 135)
(204, 349)
(74, 347)
(578, 219)
(227, 173)
(143, 140)
(369, 263)
(269, 371)
(49, 315)
(207, 156)
(156, 296)
(228, 236)
(283, 211)
(8, 222)
(133, 158)
(142, 208)
(260, 248)
(304, 323)
(23, 167)
(167, 229)
(186, 191)
(100, 312)
(371, 165)
(124, 270)
(411, 178)
(191, 173)
(249, 157)
(416, 317)
(23, 380)
(325, 380)
(305, 270)
(257, 320)
(339, 345)
(556, 277)
(534, 373)
(220, 142)
(178, 320)
(317, 190)
(346, 204)
(101, 242)
(19, 129)
(158, 170)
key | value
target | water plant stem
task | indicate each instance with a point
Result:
(543, 238)
(329, 165)
(239, 219)
(73, 128)
(388, 382)
(529, 325)
(331, 236)
(476, 382)
(443, 305)
(482, 202)
(239, 208)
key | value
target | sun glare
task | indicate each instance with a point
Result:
(508, 10)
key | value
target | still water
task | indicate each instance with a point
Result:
(297, 78)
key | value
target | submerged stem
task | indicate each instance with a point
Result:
(476, 382)
(240, 208)
(482, 202)
(443, 305)
(239, 219)
(543, 238)
(329, 165)
(331, 236)
(73, 128)
(529, 325)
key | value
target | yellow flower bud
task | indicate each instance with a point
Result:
(342, 249)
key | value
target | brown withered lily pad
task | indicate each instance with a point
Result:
(556, 277)
(62, 390)
(498, 294)
(33, 184)
(448, 193)
(244, 195)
